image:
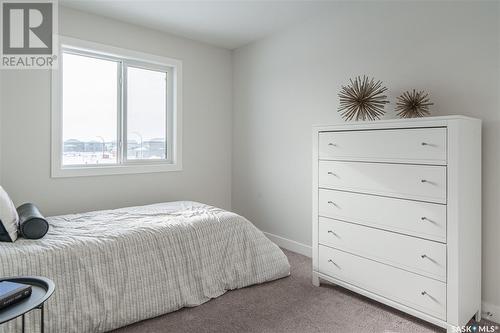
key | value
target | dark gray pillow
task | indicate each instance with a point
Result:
(4, 235)
(32, 224)
(8, 218)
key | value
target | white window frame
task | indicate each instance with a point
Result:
(172, 67)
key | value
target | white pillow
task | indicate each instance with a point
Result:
(8, 218)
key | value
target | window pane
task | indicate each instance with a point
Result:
(90, 106)
(146, 114)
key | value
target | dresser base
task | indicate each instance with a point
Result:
(450, 327)
(315, 279)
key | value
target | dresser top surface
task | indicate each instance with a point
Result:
(396, 123)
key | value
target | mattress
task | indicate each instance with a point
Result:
(116, 267)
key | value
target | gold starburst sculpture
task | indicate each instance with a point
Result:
(362, 99)
(413, 104)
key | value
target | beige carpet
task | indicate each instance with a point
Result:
(288, 305)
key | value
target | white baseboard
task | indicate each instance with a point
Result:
(289, 244)
(491, 312)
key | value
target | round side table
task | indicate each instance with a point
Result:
(41, 289)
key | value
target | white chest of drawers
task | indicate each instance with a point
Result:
(397, 214)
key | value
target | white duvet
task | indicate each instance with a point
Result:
(115, 267)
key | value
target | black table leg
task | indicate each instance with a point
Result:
(42, 328)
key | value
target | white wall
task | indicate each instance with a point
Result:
(25, 128)
(289, 81)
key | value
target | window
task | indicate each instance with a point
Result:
(115, 111)
(90, 110)
(146, 127)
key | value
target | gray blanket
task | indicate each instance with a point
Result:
(115, 267)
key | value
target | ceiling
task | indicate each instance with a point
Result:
(228, 24)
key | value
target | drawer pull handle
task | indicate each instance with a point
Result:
(332, 144)
(424, 256)
(423, 181)
(333, 203)
(425, 144)
(331, 173)
(332, 232)
(333, 262)
(423, 218)
(423, 293)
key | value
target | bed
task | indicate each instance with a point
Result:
(116, 267)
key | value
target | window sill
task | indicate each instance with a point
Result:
(102, 170)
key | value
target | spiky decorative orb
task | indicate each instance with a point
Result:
(362, 99)
(413, 104)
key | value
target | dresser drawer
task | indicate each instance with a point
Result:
(413, 290)
(414, 254)
(421, 219)
(417, 145)
(419, 182)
